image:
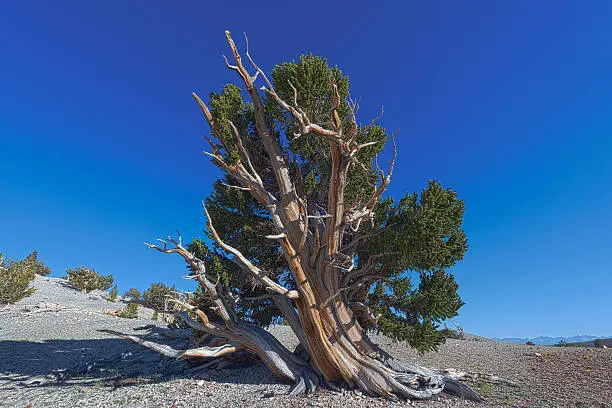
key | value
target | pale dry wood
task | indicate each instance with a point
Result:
(319, 311)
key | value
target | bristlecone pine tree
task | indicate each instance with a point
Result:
(301, 232)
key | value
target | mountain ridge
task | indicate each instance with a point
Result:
(549, 340)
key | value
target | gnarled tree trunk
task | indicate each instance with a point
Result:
(322, 265)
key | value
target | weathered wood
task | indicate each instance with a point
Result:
(319, 311)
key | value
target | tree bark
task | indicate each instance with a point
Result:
(319, 310)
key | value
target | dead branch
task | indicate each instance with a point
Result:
(199, 352)
(248, 265)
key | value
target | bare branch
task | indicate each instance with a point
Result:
(319, 216)
(289, 213)
(227, 64)
(305, 124)
(277, 236)
(245, 153)
(200, 352)
(237, 187)
(212, 352)
(248, 265)
(369, 265)
(160, 348)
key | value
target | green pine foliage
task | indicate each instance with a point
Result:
(130, 311)
(407, 249)
(156, 295)
(113, 294)
(40, 267)
(133, 294)
(87, 279)
(15, 278)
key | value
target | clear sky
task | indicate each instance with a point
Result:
(507, 102)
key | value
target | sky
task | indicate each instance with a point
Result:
(508, 103)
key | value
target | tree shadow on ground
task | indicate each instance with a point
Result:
(109, 362)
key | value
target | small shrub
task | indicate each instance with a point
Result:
(43, 269)
(86, 279)
(561, 343)
(106, 282)
(530, 343)
(155, 297)
(39, 267)
(15, 278)
(154, 317)
(453, 334)
(130, 312)
(112, 296)
(484, 388)
(133, 294)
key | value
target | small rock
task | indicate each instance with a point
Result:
(201, 383)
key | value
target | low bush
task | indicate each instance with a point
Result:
(155, 297)
(130, 312)
(87, 279)
(133, 294)
(15, 278)
(530, 343)
(39, 267)
(112, 296)
(452, 334)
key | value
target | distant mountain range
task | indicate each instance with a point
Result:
(547, 341)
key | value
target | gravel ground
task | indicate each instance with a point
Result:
(52, 355)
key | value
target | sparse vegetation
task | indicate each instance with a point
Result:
(456, 333)
(133, 294)
(87, 279)
(130, 311)
(155, 315)
(530, 343)
(561, 343)
(451, 334)
(39, 267)
(15, 278)
(484, 388)
(112, 297)
(157, 295)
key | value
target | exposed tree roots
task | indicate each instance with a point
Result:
(400, 379)
(259, 342)
(448, 384)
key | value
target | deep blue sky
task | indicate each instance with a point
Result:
(508, 102)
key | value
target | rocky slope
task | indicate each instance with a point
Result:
(52, 355)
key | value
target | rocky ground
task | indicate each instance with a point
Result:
(52, 355)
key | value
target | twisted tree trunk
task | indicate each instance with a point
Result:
(322, 265)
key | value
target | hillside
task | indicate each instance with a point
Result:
(547, 340)
(605, 342)
(53, 355)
